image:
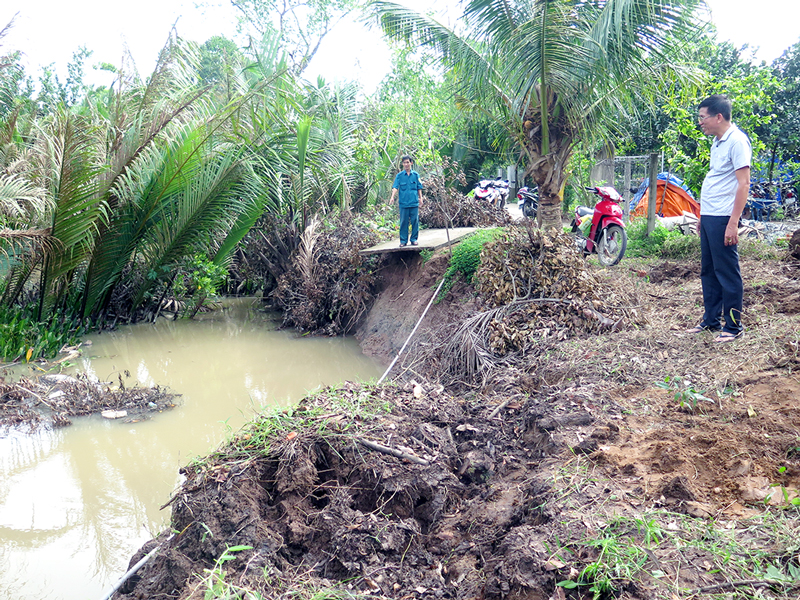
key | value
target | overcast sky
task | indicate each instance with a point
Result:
(49, 31)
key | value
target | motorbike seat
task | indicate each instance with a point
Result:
(584, 210)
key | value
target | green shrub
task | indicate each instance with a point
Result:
(642, 245)
(466, 258)
(674, 244)
(24, 338)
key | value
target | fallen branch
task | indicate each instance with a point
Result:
(393, 452)
(735, 584)
(42, 400)
(500, 407)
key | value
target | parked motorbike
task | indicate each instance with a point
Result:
(494, 191)
(600, 229)
(760, 203)
(485, 191)
(528, 201)
(501, 185)
(791, 208)
(764, 201)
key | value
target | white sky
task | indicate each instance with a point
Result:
(49, 31)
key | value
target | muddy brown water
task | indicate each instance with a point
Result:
(77, 502)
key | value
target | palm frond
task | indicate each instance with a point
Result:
(21, 202)
(307, 251)
(207, 201)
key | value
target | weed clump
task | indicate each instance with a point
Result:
(642, 245)
(681, 246)
(759, 250)
(466, 258)
(673, 244)
(24, 337)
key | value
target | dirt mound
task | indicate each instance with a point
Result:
(794, 245)
(668, 271)
(333, 504)
(714, 448)
(443, 498)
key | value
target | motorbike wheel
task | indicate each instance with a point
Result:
(529, 209)
(611, 246)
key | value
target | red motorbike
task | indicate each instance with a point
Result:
(605, 233)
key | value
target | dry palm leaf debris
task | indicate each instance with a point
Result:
(539, 290)
(545, 289)
(329, 284)
(445, 206)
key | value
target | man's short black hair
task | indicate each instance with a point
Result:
(407, 156)
(717, 104)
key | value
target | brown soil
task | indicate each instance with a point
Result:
(496, 485)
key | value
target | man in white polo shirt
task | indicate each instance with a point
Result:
(722, 200)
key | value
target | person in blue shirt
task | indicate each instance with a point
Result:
(408, 188)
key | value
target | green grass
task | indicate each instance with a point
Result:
(649, 549)
(339, 407)
(662, 243)
(640, 244)
(466, 259)
(758, 250)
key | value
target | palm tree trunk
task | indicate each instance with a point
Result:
(550, 211)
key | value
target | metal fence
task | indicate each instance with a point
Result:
(629, 172)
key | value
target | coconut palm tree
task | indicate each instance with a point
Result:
(551, 72)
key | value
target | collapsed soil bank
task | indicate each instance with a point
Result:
(502, 492)
(407, 283)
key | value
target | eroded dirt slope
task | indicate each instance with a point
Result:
(637, 463)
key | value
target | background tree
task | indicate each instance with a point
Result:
(552, 71)
(727, 71)
(781, 133)
(300, 24)
(220, 59)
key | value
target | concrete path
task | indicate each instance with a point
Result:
(429, 239)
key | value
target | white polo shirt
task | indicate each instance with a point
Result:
(728, 154)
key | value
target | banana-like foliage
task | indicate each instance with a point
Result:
(177, 198)
(553, 72)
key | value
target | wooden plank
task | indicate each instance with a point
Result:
(429, 239)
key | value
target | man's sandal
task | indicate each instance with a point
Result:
(725, 337)
(700, 329)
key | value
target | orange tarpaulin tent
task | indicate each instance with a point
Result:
(673, 204)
